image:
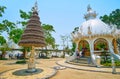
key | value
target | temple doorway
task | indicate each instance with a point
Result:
(84, 48)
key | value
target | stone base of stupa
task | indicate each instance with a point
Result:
(31, 70)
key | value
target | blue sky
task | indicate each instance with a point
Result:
(64, 15)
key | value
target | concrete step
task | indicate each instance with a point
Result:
(81, 64)
(82, 60)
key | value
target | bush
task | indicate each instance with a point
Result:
(3, 59)
(109, 63)
(21, 62)
(117, 63)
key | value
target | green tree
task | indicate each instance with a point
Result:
(16, 34)
(112, 18)
(25, 16)
(2, 10)
(5, 26)
(73, 46)
(2, 46)
(49, 39)
(48, 29)
(3, 49)
(12, 31)
(2, 40)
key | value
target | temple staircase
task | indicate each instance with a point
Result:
(82, 61)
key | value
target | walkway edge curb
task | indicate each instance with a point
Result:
(80, 68)
(51, 75)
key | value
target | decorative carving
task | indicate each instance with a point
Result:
(79, 34)
(89, 30)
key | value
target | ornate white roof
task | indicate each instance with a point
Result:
(96, 26)
(93, 25)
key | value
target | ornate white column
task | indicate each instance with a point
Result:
(112, 54)
(77, 43)
(115, 46)
(93, 57)
(110, 46)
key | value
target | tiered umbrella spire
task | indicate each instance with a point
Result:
(33, 34)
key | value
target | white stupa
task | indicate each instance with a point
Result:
(93, 32)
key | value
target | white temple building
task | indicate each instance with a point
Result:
(95, 37)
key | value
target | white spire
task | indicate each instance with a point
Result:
(90, 13)
(88, 8)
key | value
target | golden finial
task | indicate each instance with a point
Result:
(90, 13)
(35, 8)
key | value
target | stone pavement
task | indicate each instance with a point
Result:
(49, 68)
(47, 73)
(11, 68)
(87, 68)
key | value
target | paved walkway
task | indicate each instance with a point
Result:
(49, 69)
(87, 68)
(7, 68)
